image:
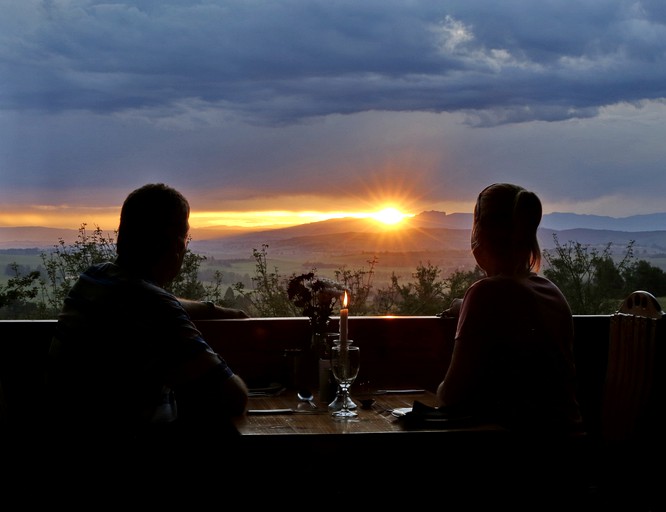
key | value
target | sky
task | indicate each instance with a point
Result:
(280, 112)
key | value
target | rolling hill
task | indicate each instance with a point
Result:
(431, 232)
(428, 232)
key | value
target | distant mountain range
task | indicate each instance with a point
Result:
(648, 222)
(427, 231)
(434, 231)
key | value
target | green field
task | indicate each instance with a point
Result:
(243, 269)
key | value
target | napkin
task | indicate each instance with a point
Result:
(424, 416)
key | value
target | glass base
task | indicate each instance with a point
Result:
(336, 404)
(344, 414)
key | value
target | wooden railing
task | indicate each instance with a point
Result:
(397, 351)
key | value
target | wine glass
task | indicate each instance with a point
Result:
(345, 362)
(336, 404)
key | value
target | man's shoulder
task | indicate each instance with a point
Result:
(107, 268)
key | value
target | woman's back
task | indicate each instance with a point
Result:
(522, 330)
(513, 355)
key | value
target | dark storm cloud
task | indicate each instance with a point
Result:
(252, 99)
(280, 61)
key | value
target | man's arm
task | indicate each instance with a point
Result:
(209, 390)
(207, 310)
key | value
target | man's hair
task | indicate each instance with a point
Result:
(151, 217)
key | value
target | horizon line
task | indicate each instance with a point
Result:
(272, 226)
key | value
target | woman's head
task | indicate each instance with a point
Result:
(504, 233)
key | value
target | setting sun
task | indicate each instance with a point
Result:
(389, 216)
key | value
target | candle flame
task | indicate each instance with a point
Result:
(344, 300)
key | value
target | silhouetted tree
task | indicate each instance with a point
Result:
(187, 284)
(269, 296)
(458, 282)
(64, 264)
(426, 296)
(592, 281)
(359, 284)
(643, 276)
(17, 295)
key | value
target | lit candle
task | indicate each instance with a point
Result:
(344, 314)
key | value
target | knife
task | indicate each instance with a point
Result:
(398, 391)
(283, 411)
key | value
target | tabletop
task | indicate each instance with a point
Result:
(284, 415)
(303, 453)
(308, 443)
(306, 420)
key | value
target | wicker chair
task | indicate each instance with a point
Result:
(630, 375)
(631, 442)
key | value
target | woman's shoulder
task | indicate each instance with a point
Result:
(507, 287)
(503, 281)
(487, 290)
(543, 285)
(493, 283)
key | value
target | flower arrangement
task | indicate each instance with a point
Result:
(316, 296)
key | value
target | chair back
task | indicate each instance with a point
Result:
(630, 374)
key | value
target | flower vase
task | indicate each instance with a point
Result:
(305, 369)
(313, 363)
(326, 384)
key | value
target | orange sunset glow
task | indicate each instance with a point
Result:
(387, 199)
(107, 219)
(389, 216)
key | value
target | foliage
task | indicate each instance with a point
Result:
(269, 297)
(592, 281)
(16, 296)
(316, 297)
(213, 292)
(429, 295)
(459, 281)
(187, 284)
(65, 263)
(359, 284)
(385, 300)
(643, 276)
(423, 297)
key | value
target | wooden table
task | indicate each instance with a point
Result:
(376, 432)
(318, 446)
(306, 420)
(374, 457)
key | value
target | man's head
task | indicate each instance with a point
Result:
(154, 226)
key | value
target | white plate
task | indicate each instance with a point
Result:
(400, 411)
